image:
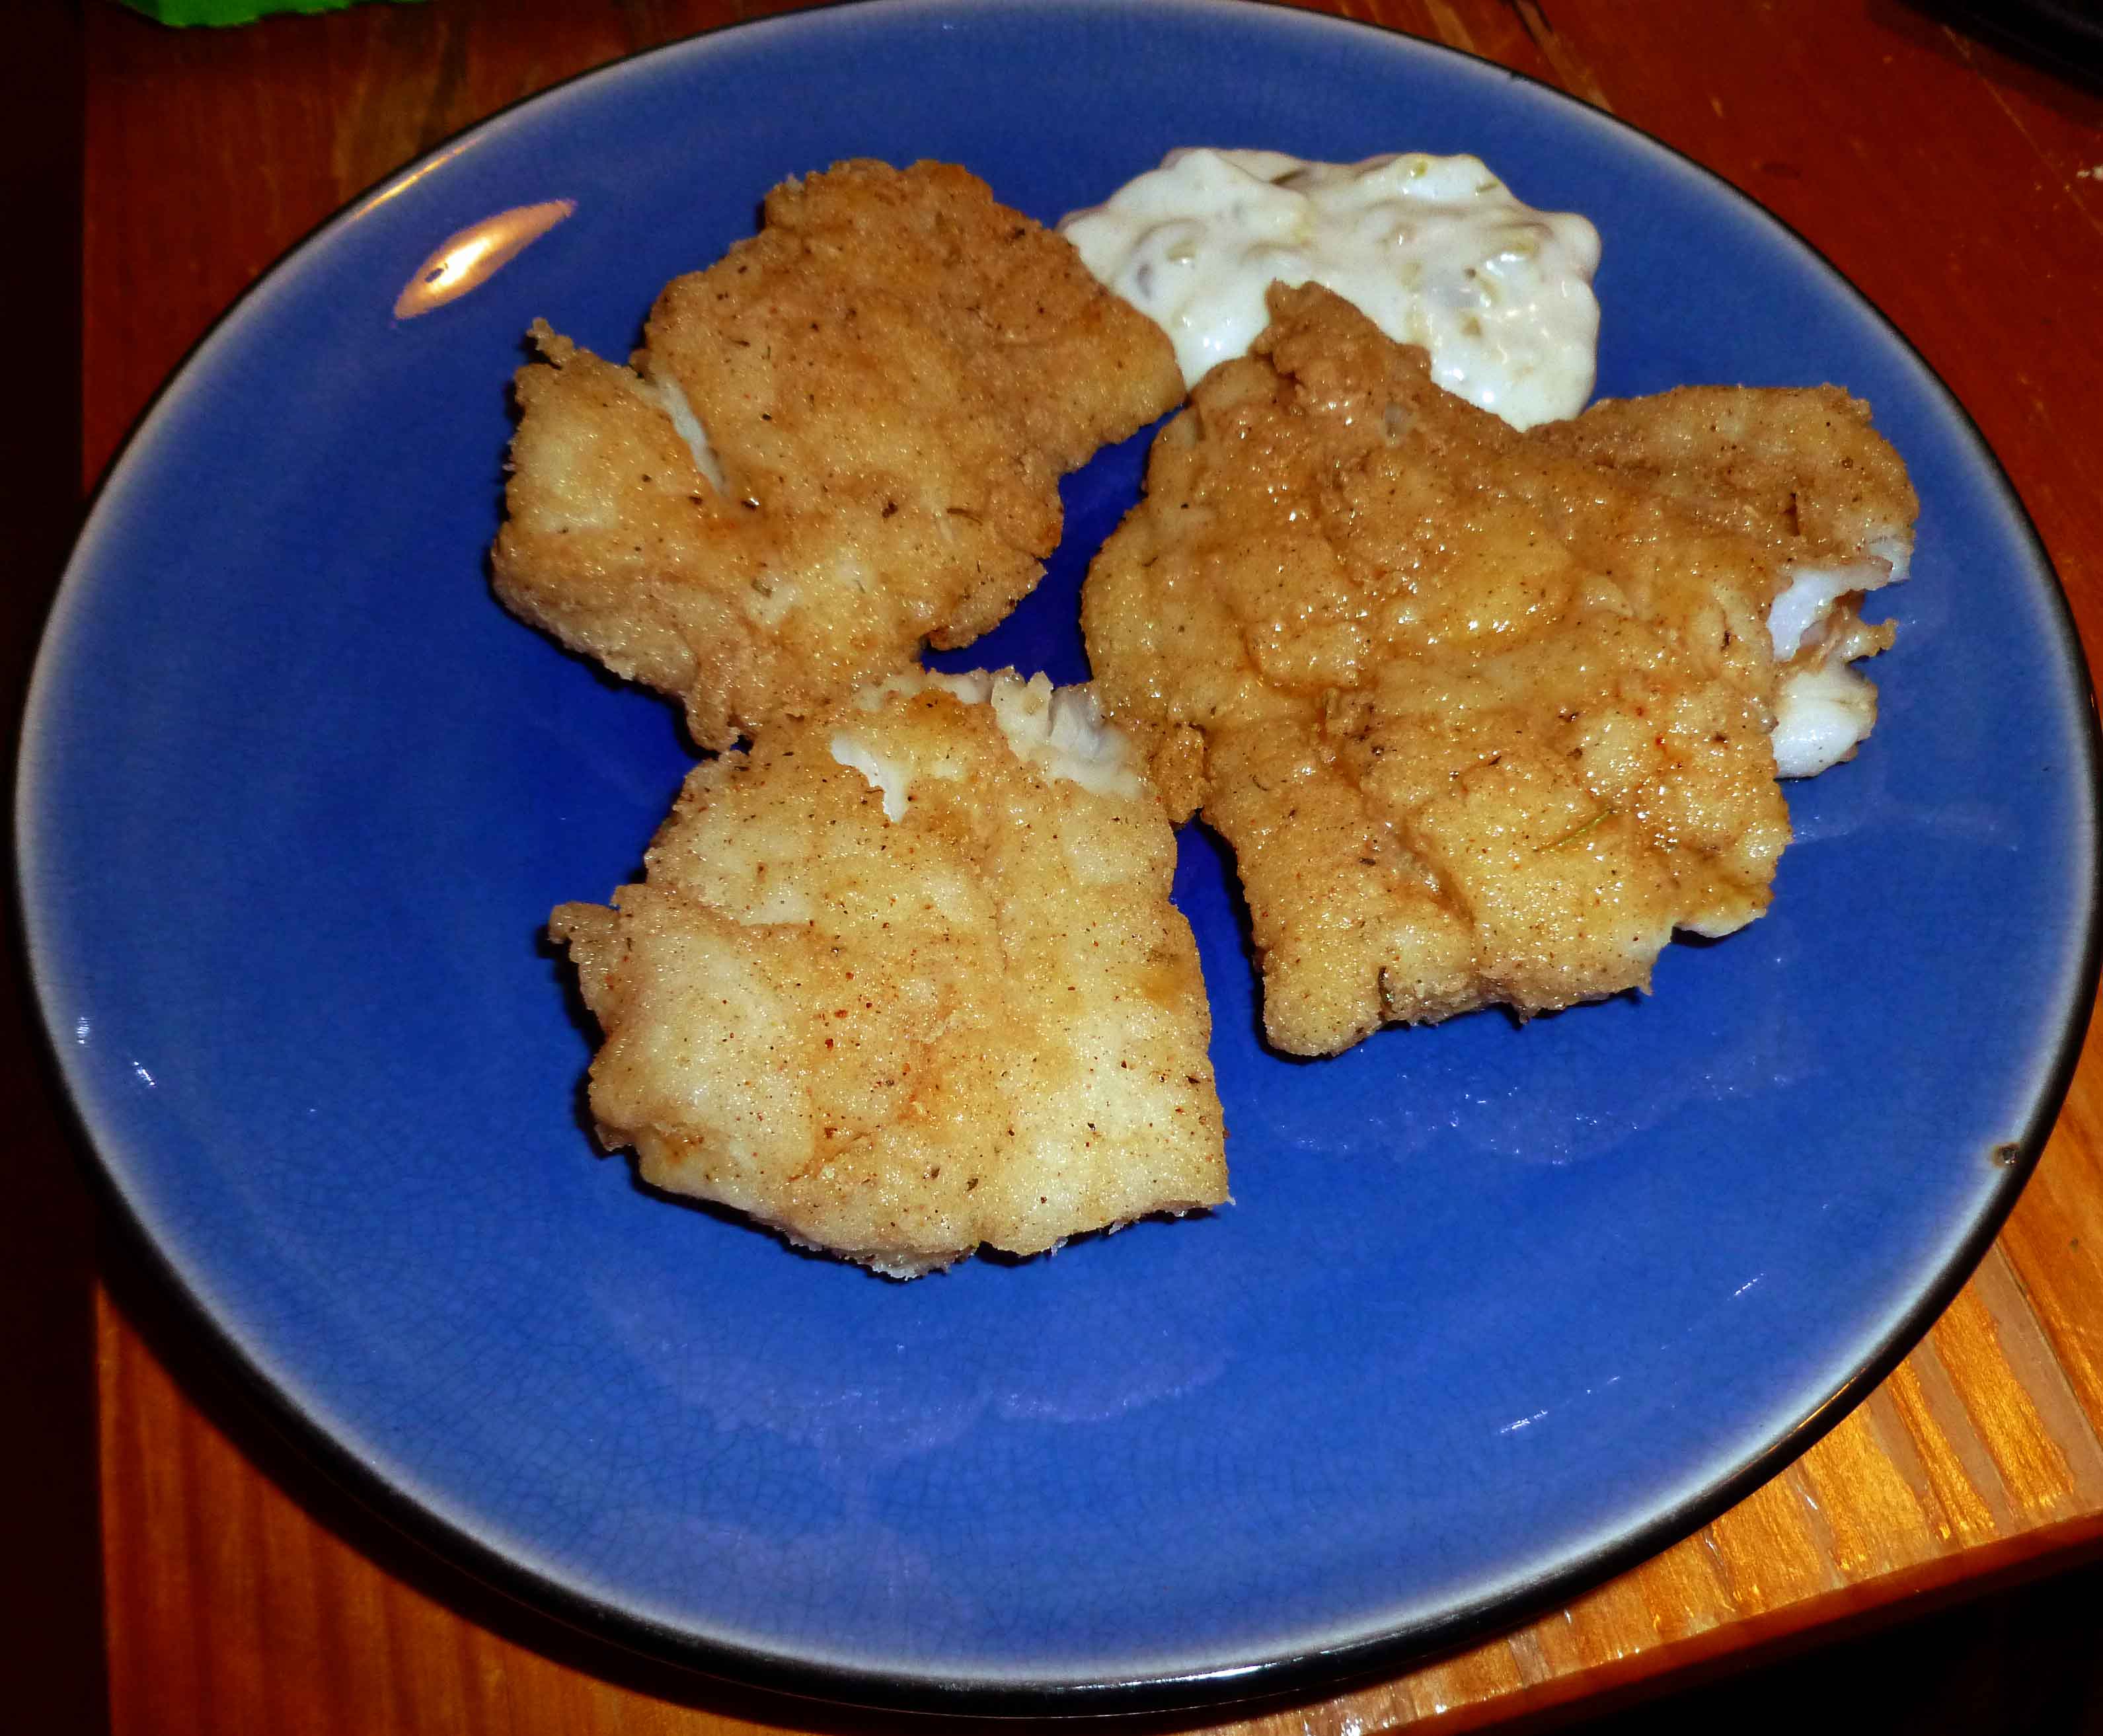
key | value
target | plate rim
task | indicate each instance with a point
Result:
(1319, 1670)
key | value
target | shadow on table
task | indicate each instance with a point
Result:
(50, 1605)
(2021, 1660)
(2050, 50)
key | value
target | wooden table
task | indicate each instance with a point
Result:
(1962, 190)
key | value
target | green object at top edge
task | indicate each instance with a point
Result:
(232, 11)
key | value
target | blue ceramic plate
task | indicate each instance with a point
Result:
(1496, 1310)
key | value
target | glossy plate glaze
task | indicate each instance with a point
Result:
(1496, 1309)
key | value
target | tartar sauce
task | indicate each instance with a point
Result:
(1434, 249)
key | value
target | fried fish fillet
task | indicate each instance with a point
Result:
(840, 440)
(1485, 716)
(1805, 474)
(905, 979)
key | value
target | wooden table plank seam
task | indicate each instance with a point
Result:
(2021, 1337)
(1573, 72)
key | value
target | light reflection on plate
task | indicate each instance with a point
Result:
(468, 258)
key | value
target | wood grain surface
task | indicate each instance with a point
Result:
(1963, 190)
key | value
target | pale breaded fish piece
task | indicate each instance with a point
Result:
(842, 439)
(1484, 717)
(904, 980)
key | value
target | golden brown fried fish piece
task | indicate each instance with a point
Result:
(844, 438)
(905, 980)
(1484, 715)
(1805, 474)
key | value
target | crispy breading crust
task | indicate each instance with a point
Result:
(981, 1022)
(891, 378)
(1803, 470)
(1484, 715)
